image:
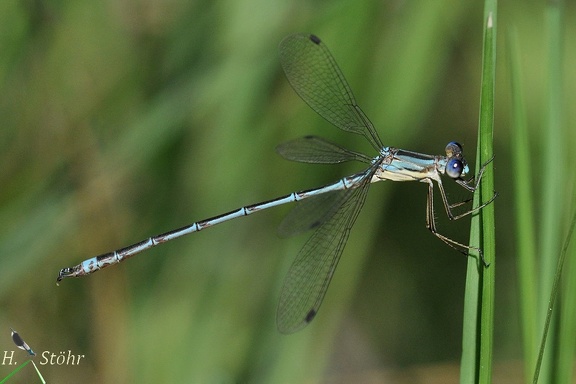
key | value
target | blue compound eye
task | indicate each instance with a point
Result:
(454, 168)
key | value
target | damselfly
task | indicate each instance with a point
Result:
(330, 210)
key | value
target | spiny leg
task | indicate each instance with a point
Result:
(431, 221)
(449, 206)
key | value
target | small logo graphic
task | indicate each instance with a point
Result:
(20, 343)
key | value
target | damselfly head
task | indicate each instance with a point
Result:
(456, 166)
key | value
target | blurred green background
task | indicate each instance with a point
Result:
(124, 119)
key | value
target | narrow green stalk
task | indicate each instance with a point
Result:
(567, 341)
(552, 194)
(488, 235)
(38, 372)
(479, 297)
(553, 296)
(15, 371)
(524, 202)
